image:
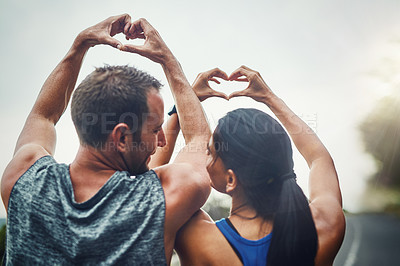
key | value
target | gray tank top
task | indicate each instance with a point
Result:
(122, 224)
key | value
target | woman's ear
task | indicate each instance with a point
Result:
(231, 181)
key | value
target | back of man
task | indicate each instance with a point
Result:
(119, 225)
(93, 211)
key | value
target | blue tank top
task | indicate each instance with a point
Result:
(123, 224)
(251, 252)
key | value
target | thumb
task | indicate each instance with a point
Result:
(220, 94)
(238, 94)
(137, 49)
(113, 42)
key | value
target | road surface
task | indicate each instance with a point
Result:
(371, 240)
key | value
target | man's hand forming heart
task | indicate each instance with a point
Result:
(103, 32)
(153, 48)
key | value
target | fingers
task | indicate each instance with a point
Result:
(139, 29)
(247, 68)
(215, 80)
(238, 73)
(242, 79)
(211, 75)
(216, 72)
(135, 36)
(140, 36)
(127, 27)
(134, 30)
(242, 71)
(144, 24)
(119, 23)
(242, 74)
(125, 20)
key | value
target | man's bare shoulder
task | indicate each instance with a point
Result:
(176, 170)
(24, 158)
(186, 190)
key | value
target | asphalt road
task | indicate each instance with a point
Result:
(370, 240)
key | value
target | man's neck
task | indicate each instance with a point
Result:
(90, 170)
(91, 160)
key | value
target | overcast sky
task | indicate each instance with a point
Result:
(331, 61)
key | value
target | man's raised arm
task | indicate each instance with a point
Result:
(186, 183)
(38, 137)
(191, 116)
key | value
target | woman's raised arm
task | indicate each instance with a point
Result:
(325, 196)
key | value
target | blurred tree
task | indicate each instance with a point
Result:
(381, 135)
(2, 240)
(217, 205)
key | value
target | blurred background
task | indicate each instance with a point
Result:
(335, 63)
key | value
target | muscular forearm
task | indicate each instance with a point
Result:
(302, 135)
(56, 91)
(323, 180)
(52, 101)
(191, 116)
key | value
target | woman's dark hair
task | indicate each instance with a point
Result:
(257, 148)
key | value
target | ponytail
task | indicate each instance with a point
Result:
(294, 240)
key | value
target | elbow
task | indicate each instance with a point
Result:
(200, 136)
(203, 183)
(322, 158)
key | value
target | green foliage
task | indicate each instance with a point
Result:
(381, 135)
(2, 240)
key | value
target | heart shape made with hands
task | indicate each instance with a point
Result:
(228, 87)
(155, 49)
(204, 85)
(217, 86)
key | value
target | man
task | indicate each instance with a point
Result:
(106, 207)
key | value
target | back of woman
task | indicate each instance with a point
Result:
(271, 221)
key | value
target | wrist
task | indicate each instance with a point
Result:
(170, 62)
(174, 72)
(76, 52)
(270, 98)
(81, 43)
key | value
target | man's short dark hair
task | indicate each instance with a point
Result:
(108, 96)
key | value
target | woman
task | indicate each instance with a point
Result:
(271, 222)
